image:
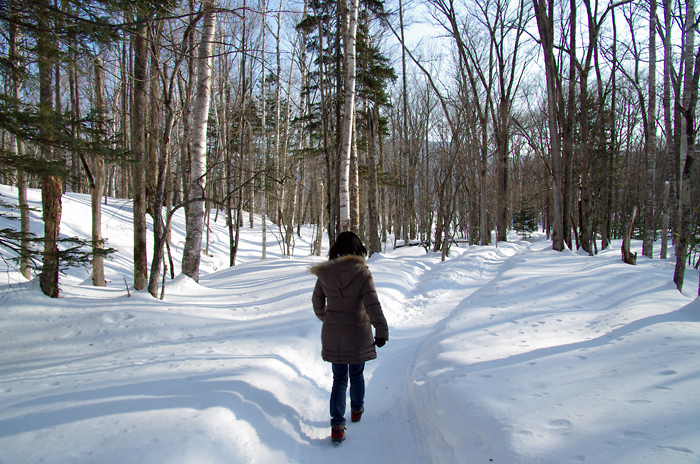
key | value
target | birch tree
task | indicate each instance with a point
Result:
(350, 14)
(195, 213)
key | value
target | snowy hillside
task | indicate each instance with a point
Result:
(509, 354)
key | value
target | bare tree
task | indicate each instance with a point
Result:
(161, 225)
(97, 185)
(195, 213)
(544, 15)
(687, 201)
(138, 148)
(22, 179)
(670, 171)
(350, 14)
(650, 145)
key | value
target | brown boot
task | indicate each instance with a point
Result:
(337, 433)
(355, 416)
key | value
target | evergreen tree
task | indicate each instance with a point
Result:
(525, 220)
(47, 27)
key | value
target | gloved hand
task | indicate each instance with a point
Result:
(379, 342)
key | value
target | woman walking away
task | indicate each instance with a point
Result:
(346, 301)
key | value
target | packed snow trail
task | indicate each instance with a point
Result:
(415, 304)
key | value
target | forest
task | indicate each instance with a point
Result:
(425, 123)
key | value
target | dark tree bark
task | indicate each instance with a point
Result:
(650, 143)
(138, 148)
(51, 185)
(97, 187)
(627, 256)
(544, 24)
(375, 245)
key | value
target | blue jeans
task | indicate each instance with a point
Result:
(340, 386)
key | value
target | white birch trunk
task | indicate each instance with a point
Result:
(350, 33)
(198, 162)
(263, 208)
(277, 193)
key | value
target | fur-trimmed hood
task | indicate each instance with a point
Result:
(340, 272)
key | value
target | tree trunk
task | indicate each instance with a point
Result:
(125, 106)
(328, 158)
(266, 146)
(375, 245)
(234, 229)
(666, 221)
(195, 214)
(350, 15)
(354, 181)
(612, 146)
(546, 34)
(503, 161)
(627, 256)
(162, 178)
(51, 185)
(98, 186)
(22, 180)
(568, 117)
(687, 201)
(650, 145)
(277, 193)
(138, 148)
(586, 206)
(410, 194)
(670, 171)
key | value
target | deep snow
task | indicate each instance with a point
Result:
(507, 354)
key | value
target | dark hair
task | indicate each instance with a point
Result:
(347, 243)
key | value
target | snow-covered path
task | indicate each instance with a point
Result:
(416, 304)
(510, 354)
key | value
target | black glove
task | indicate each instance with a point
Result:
(379, 342)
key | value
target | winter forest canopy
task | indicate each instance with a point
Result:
(426, 121)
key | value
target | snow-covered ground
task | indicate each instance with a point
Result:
(508, 354)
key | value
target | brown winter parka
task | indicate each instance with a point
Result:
(346, 301)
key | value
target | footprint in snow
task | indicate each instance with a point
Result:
(560, 423)
(637, 435)
(676, 448)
